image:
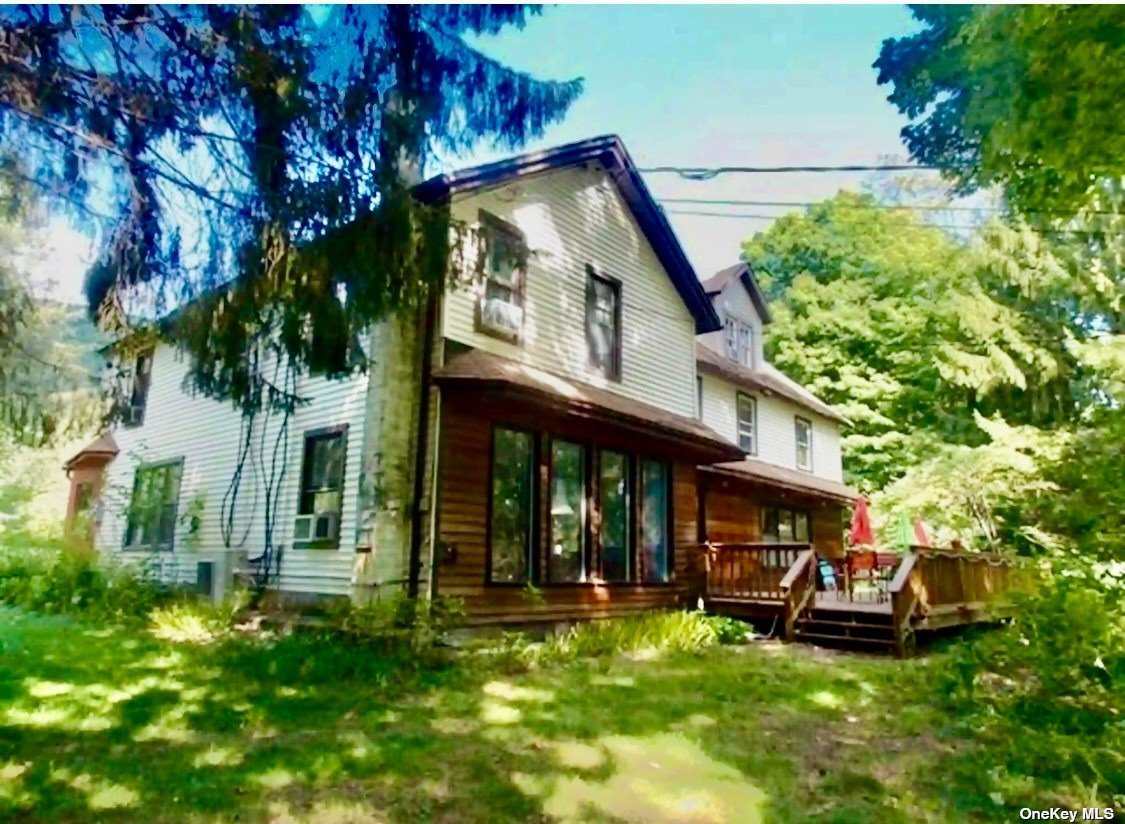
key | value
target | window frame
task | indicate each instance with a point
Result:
(699, 397)
(738, 400)
(322, 433)
(176, 464)
(134, 412)
(631, 519)
(490, 226)
(793, 512)
(797, 423)
(612, 371)
(735, 329)
(586, 527)
(669, 523)
(531, 566)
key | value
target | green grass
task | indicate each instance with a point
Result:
(110, 724)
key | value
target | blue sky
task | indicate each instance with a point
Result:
(697, 86)
(721, 85)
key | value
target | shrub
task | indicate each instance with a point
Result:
(651, 633)
(398, 622)
(196, 621)
(1046, 692)
(62, 579)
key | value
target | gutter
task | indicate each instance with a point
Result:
(414, 573)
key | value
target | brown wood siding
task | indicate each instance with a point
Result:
(463, 489)
(733, 511)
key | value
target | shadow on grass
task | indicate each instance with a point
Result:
(114, 725)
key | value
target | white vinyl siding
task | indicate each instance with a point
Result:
(777, 441)
(206, 435)
(573, 218)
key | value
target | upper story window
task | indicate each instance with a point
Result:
(804, 443)
(151, 521)
(321, 501)
(748, 424)
(503, 269)
(141, 378)
(603, 324)
(699, 397)
(738, 340)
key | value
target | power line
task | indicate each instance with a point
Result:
(965, 227)
(808, 203)
(707, 173)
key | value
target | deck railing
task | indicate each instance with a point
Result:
(937, 587)
(750, 571)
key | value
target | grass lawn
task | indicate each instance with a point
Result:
(110, 724)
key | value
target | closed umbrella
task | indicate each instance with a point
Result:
(904, 532)
(861, 525)
(920, 536)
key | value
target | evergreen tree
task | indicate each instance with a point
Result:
(250, 159)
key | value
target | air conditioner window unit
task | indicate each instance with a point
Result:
(501, 316)
(303, 527)
(327, 526)
(322, 526)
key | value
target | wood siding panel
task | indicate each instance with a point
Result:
(463, 489)
(206, 434)
(734, 514)
(572, 218)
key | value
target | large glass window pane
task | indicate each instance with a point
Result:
(654, 522)
(513, 475)
(801, 527)
(769, 525)
(785, 526)
(614, 493)
(566, 561)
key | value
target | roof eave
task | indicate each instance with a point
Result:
(612, 153)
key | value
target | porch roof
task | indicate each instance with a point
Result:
(104, 447)
(750, 469)
(475, 369)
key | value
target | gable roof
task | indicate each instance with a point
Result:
(610, 152)
(721, 279)
(767, 378)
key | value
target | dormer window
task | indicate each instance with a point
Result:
(738, 341)
(503, 268)
(141, 378)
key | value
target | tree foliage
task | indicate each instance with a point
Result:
(256, 160)
(1030, 98)
(48, 386)
(914, 334)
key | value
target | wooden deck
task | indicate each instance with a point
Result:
(921, 591)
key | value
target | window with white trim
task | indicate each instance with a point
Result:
(738, 340)
(504, 273)
(804, 443)
(747, 423)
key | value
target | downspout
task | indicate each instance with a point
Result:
(422, 447)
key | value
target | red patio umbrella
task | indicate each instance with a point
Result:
(861, 525)
(920, 536)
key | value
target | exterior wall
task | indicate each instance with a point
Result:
(571, 218)
(734, 302)
(777, 436)
(733, 513)
(206, 434)
(463, 489)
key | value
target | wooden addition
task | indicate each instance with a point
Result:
(470, 412)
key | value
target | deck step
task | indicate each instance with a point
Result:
(845, 641)
(847, 628)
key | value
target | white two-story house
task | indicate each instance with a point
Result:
(569, 409)
(788, 488)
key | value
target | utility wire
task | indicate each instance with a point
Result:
(706, 173)
(707, 201)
